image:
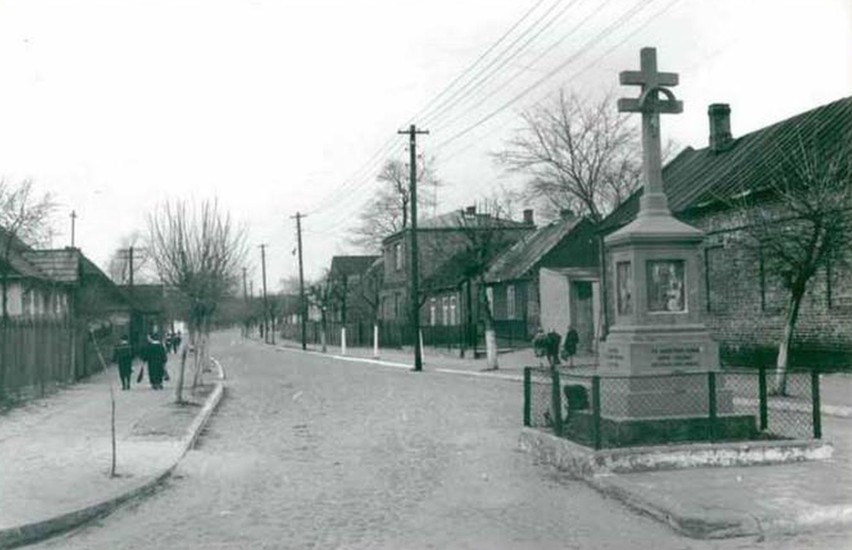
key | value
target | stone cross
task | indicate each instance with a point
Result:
(651, 105)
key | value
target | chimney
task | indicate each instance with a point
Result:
(528, 217)
(566, 214)
(470, 211)
(720, 127)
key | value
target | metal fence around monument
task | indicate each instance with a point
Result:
(604, 411)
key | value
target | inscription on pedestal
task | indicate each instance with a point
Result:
(614, 358)
(673, 357)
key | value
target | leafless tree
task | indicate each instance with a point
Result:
(486, 235)
(198, 251)
(802, 222)
(580, 156)
(321, 295)
(388, 210)
(24, 221)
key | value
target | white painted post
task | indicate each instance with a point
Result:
(422, 357)
(376, 341)
(342, 340)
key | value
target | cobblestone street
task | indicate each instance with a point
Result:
(305, 452)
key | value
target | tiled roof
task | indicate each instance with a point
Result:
(60, 265)
(19, 264)
(351, 265)
(698, 177)
(458, 219)
(515, 262)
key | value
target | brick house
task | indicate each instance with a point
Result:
(549, 279)
(745, 304)
(444, 244)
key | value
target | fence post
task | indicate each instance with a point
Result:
(764, 407)
(816, 404)
(527, 396)
(556, 402)
(596, 412)
(711, 398)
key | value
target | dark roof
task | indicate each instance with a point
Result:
(700, 177)
(19, 264)
(351, 265)
(146, 298)
(515, 262)
(451, 273)
(458, 220)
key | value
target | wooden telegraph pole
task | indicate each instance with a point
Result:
(303, 309)
(415, 270)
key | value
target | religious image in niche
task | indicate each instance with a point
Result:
(665, 286)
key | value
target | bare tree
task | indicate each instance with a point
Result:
(802, 221)
(321, 295)
(387, 211)
(580, 156)
(24, 221)
(486, 234)
(198, 251)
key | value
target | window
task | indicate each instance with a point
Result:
(445, 311)
(397, 256)
(396, 304)
(489, 297)
(510, 302)
(453, 320)
(433, 306)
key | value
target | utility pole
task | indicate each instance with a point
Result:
(130, 263)
(303, 309)
(265, 301)
(415, 270)
(73, 219)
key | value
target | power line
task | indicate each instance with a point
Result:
(639, 6)
(355, 181)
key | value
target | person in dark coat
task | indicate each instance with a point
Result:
(155, 356)
(569, 347)
(122, 355)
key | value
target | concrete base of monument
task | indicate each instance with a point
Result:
(628, 432)
(581, 461)
(652, 350)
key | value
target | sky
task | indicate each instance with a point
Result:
(279, 107)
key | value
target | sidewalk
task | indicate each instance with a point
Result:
(835, 388)
(707, 502)
(56, 452)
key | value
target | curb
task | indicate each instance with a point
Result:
(608, 478)
(40, 530)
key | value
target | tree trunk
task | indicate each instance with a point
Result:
(181, 370)
(783, 359)
(490, 333)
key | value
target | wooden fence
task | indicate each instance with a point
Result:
(36, 355)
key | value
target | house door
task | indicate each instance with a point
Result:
(582, 314)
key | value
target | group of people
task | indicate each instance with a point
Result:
(155, 355)
(546, 345)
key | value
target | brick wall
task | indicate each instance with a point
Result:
(745, 304)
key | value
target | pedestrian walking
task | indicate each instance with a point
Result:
(176, 339)
(155, 356)
(569, 347)
(122, 355)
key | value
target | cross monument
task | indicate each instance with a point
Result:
(649, 103)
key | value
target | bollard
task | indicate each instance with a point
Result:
(527, 396)
(376, 341)
(342, 340)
